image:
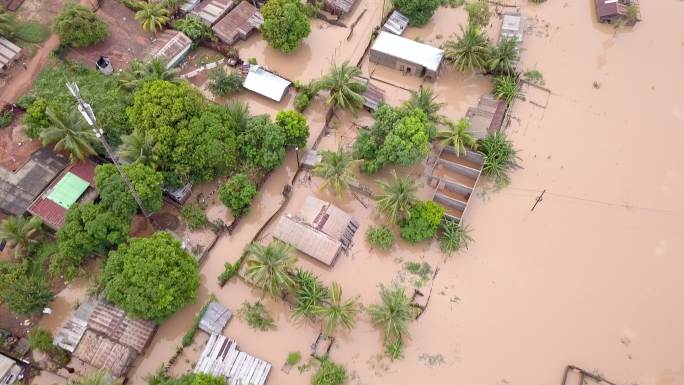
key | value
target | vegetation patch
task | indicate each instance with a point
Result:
(453, 237)
(256, 316)
(422, 222)
(237, 194)
(293, 358)
(329, 373)
(190, 334)
(380, 237)
(422, 272)
(499, 157)
(32, 32)
(194, 216)
(78, 26)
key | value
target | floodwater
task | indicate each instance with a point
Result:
(591, 277)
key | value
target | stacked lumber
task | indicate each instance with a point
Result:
(221, 357)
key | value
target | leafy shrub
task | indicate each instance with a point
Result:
(262, 144)
(6, 119)
(256, 316)
(41, 340)
(380, 237)
(419, 12)
(23, 291)
(194, 216)
(78, 26)
(453, 237)
(222, 83)
(478, 12)
(295, 127)
(293, 358)
(230, 270)
(285, 25)
(237, 193)
(422, 272)
(329, 373)
(32, 32)
(506, 88)
(499, 157)
(193, 27)
(422, 222)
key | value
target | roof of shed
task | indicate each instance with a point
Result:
(215, 318)
(103, 353)
(308, 240)
(409, 50)
(8, 51)
(168, 46)
(211, 11)
(265, 83)
(239, 22)
(115, 324)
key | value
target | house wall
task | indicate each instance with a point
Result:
(398, 64)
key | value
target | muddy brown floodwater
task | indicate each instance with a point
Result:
(591, 277)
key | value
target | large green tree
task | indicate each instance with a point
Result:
(269, 267)
(115, 195)
(294, 126)
(23, 292)
(20, 232)
(78, 26)
(69, 132)
(151, 277)
(346, 90)
(419, 12)
(262, 144)
(285, 25)
(422, 222)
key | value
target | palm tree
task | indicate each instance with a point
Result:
(70, 132)
(335, 169)
(20, 232)
(100, 377)
(345, 90)
(269, 267)
(136, 147)
(7, 24)
(424, 100)
(310, 292)
(503, 58)
(152, 16)
(398, 197)
(454, 236)
(458, 135)
(336, 312)
(506, 88)
(393, 314)
(140, 72)
(239, 113)
(469, 51)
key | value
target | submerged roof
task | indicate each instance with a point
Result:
(265, 83)
(339, 6)
(215, 318)
(512, 26)
(408, 50)
(606, 8)
(103, 353)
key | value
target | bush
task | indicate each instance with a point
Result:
(329, 373)
(419, 12)
(295, 127)
(32, 32)
(78, 26)
(506, 88)
(222, 83)
(453, 237)
(194, 28)
(478, 12)
(380, 237)
(40, 340)
(237, 194)
(194, 216)
(499, 157)
(310, 293)
(422, 222)
(293, 358)
(256, 316)
(302, 101)
(6, 119)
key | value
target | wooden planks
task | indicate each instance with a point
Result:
(221, 357)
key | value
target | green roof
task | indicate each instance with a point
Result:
(68, 190)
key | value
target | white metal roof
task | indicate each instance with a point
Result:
(265, 83)
(408, 50)
(512, 26)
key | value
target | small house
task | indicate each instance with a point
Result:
(396, 23)
(487, 117)
(337, 7)
(610, 11)
(212, 10)
(239, 23)
(171, 46)
(512, 27)
(264, 83)
(9, 52)
(221, 357)
(373, 96)
(406, 55)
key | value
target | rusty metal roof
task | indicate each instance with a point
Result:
(115, 324)
(239, 23)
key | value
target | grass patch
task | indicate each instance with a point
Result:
(422, 272)
(32, 32)
(256, 316)
(293, 358)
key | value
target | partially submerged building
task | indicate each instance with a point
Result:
(264, 83)
(221, 357)
(338, 7)
(320, 230)
(454, 178)
(239, 23)
(215, 318)
(610, 11)
(487, 117)
(512, 27)
(170, 46)
(76, 184)
(211, 11)
(373, 95)
(19, 189)
(396, 23)
(9, 53)
(406, 55)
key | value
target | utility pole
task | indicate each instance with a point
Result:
(87, 111)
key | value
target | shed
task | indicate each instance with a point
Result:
(311, 158)
(512, 26)
(211, 11)
(103, 353)
(608, 11)
(73, 329)
(9, 52)
(113, 322)
(487, 117)
(10, 371)
(171, 46)
(221, 357)
(330, 219)
(406, 55)
(53, 204)
(373, 95)
(265, 83)
(241, 22)
(308, 240)
(18, 189)
(338, 7)
(396, 23)
(215, 318)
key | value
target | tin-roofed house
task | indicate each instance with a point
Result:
(171, 46)
(239, 23)
(264, 83)
(396, 23)
(10, 371)
(9, 53)
(610, 11)
(406, 55)
(337, 7)
(212, 10)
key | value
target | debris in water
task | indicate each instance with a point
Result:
(597, 85)
(432, 360)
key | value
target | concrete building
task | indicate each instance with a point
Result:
(406, 55)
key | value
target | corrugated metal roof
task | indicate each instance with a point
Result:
(339, 6)
(408, 50)
(396, 23)
(211, 11)
(215, 318)
(308, 240)
(67, 190)
(6, 364)
(50, 212)
(8, 51)
(114, 323)
(265, 83)
(239, 23)
(170, 46)
(103, 353)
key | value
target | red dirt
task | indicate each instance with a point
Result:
(15, 146)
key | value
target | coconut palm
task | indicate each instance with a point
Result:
(20, 231)
(506, 88)
(393, 314)
(346, 91)
(310, 292)
(499, 157)
(7, 23)
(152, 16)
(69, 132)
(136, 147)
(336, 312)
(424, 100)
(140, 72)
(470, 51)
(503, 58)
(100, 377)
(454, 236)
(269, 267)
(458, 135)
(335, 169)
(398, 197)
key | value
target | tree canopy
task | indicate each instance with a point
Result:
(419, 12)
(151, 277)
(422, 222)
(23, 292)
(237, 193)
(78, 26)
(285, 25)
(294, 126)
(115, 196)
(262, 144)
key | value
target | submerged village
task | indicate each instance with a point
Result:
(330, 192)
